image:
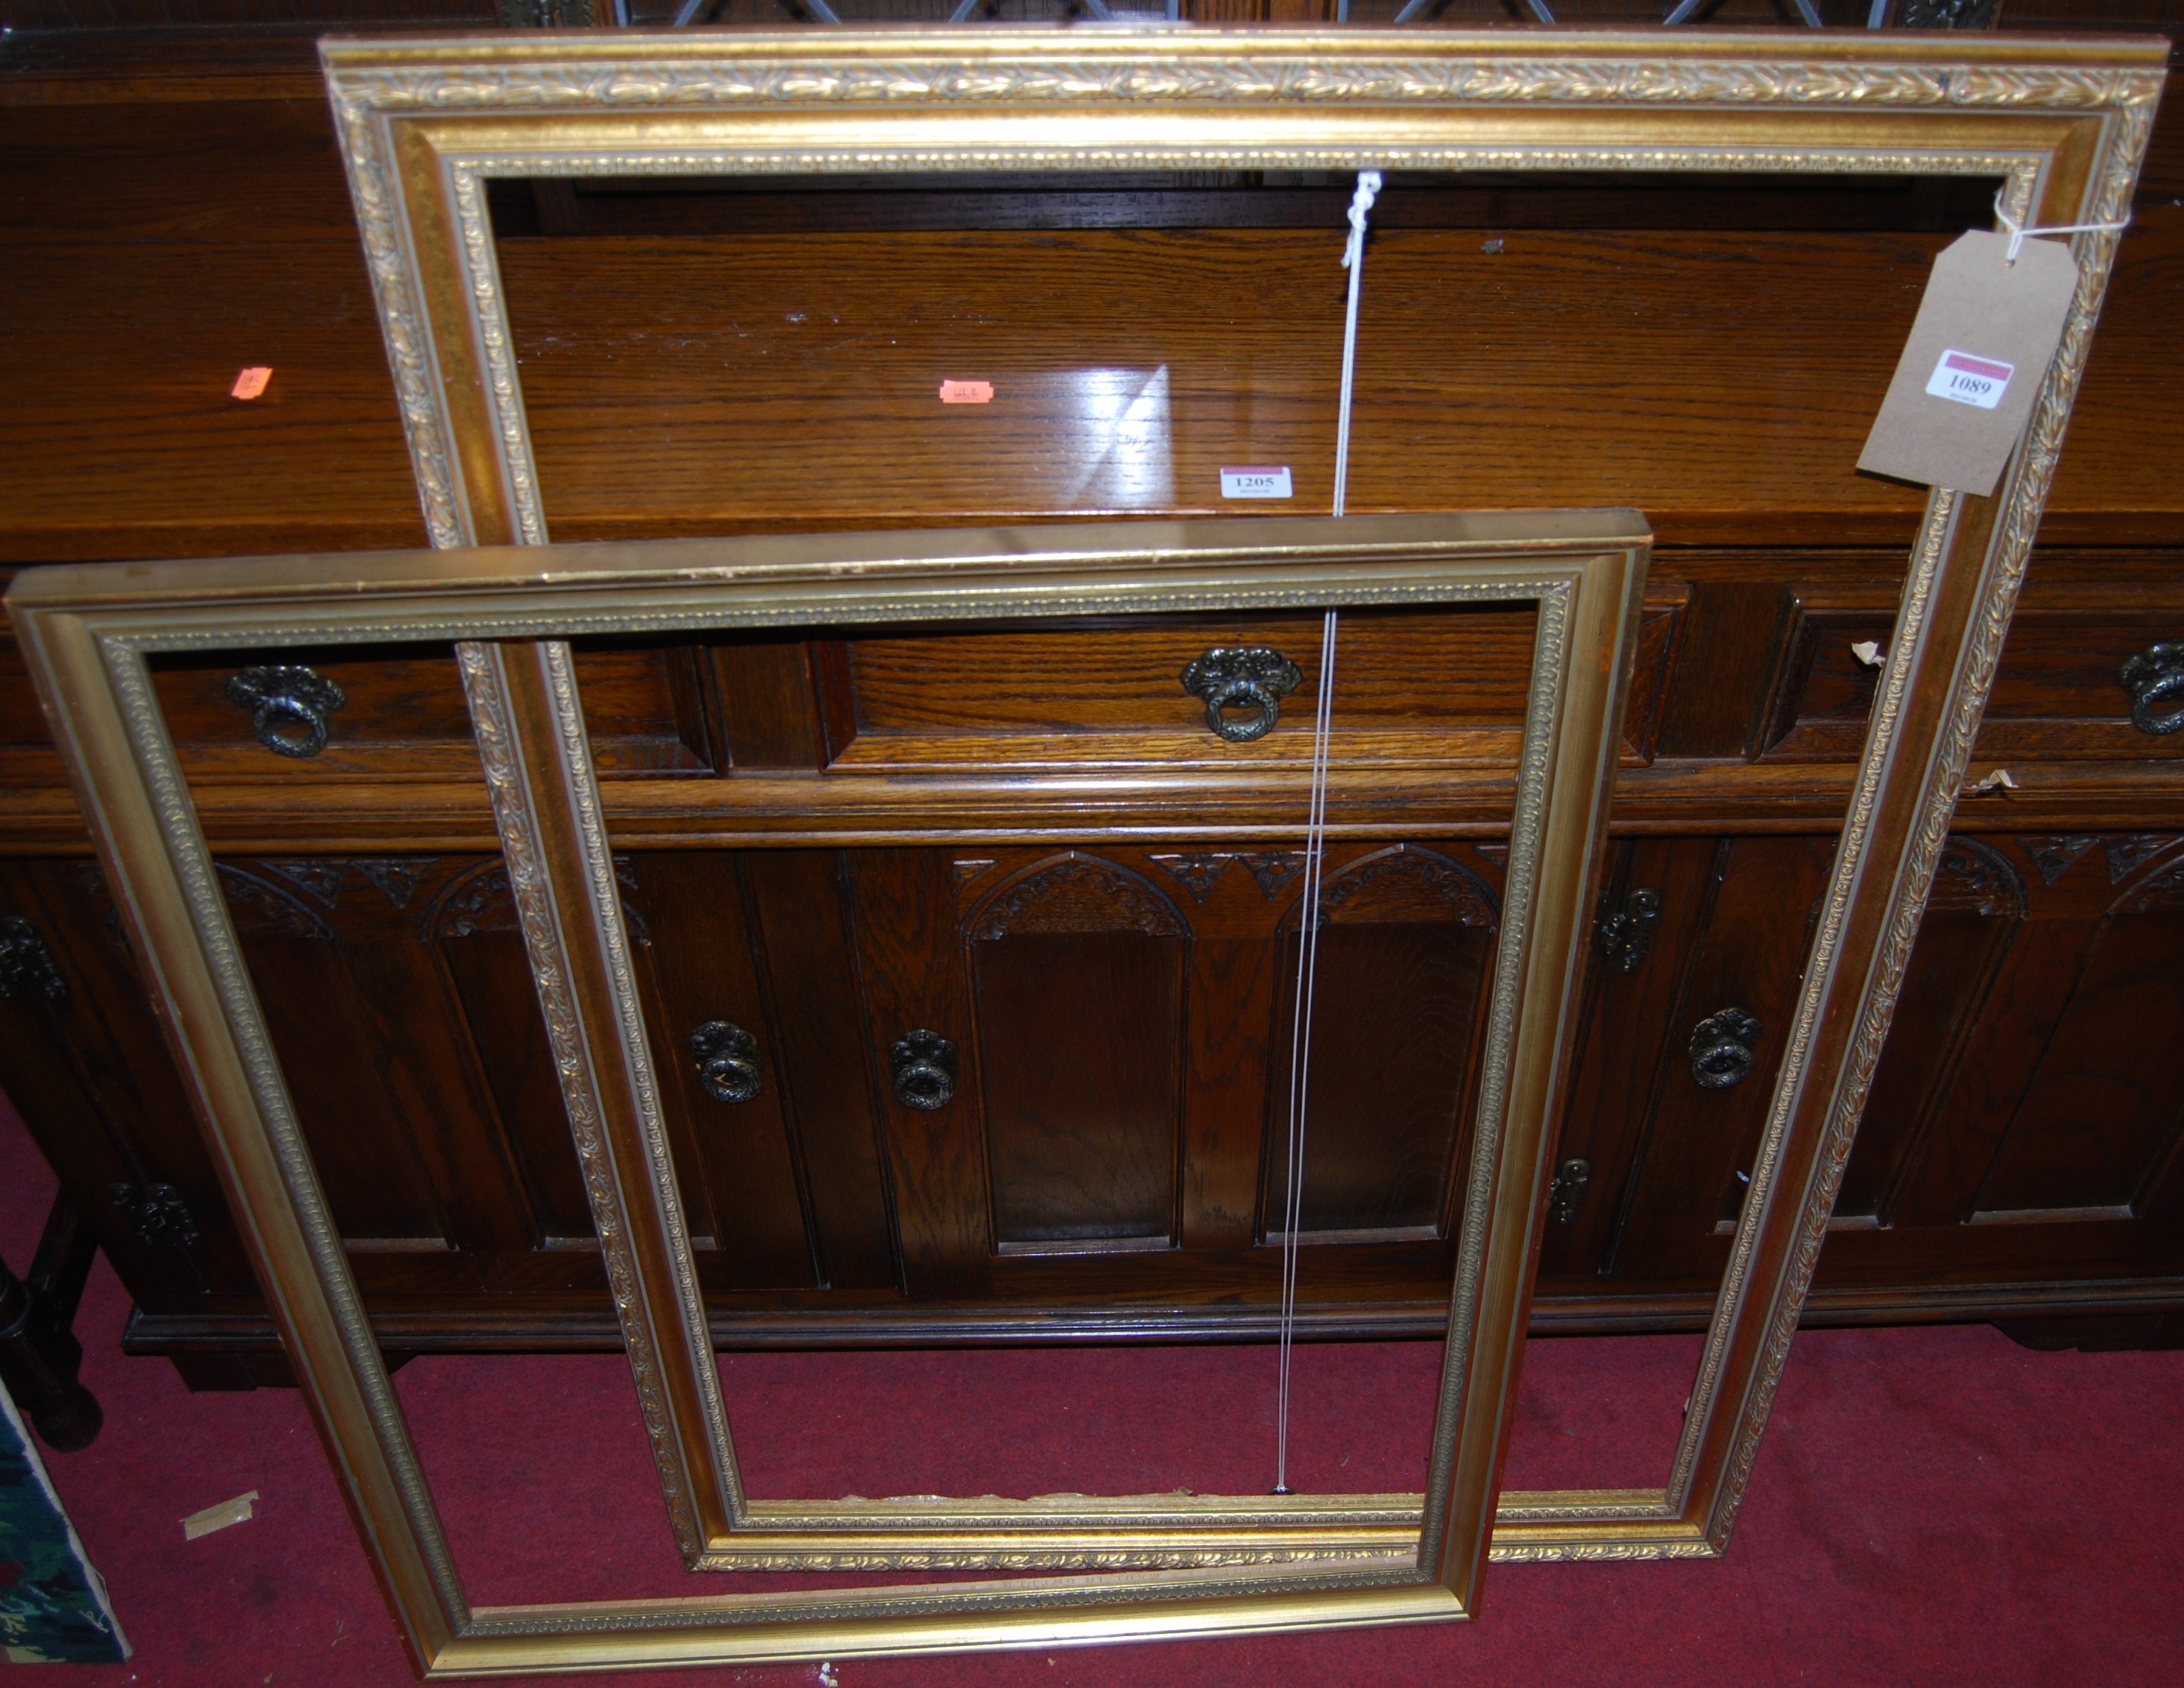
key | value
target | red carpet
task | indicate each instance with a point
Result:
(1932, 1506)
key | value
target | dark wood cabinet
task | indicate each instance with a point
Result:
(1111, 1130)
(2019, 1150)
(916, 842)
(1110, 1160)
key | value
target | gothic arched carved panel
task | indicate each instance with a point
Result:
(1979, 878)
(1076, 893)
(258, 904)
(1078, 973)
(1406, 882)
(1405, 948)
(2100, 1112)
(479, 900)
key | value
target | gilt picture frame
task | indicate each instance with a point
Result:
(1162, 1566)
(2062, 123)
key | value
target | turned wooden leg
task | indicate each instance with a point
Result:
(39, 1353)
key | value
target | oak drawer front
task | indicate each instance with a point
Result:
(276, 717)
(2080, 660)
(2091, 672)
(1439, 688)
(1436, 687)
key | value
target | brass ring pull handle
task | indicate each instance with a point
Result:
(924, 1066)
(727, 1061)
(1721, 1048)
(289, 707)
(1250, 680)
(2155, 676)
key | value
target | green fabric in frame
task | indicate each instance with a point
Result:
(54, 1608)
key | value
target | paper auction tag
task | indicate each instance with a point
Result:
(1973, 365)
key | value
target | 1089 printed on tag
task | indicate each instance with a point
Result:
(1978, 352)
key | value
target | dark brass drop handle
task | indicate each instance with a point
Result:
(1721, 1048)
(1249, 680)
(2155, 676)
(1567, 1191)
(924, 1067)
(727, 1061)
(1624, 935)
(289, 707)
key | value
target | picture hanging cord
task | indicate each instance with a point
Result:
(1315, 851)
(2017, 235)
(1353, 260)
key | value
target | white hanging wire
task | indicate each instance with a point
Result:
(1301, 1045)
(2019, 234)
(1315, 852)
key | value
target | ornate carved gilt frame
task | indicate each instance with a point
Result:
(1209, 1565)
(2062, 123)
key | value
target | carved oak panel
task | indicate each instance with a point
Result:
(2023, 1134)
(1077, 978)
(1406, 943)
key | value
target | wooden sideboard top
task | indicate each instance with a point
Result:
(175, 218)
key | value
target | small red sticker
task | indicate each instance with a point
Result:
(251, 382)
(967, 392)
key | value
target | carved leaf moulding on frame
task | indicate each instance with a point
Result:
(1050, 1559)
(527, 874)
(328, 620)
(1427, 68)
(2024, 496)
(966, 1600)
(584, 787)
(1543, 1553)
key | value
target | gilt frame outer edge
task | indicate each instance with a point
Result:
(1835, 1101)
(87, 634)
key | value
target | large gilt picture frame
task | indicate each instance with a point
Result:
(2061, 124)
(1162, 1565)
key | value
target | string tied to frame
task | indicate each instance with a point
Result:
(2018, 233)
(1315, 853)
(1353, 260)
(1361, 207)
